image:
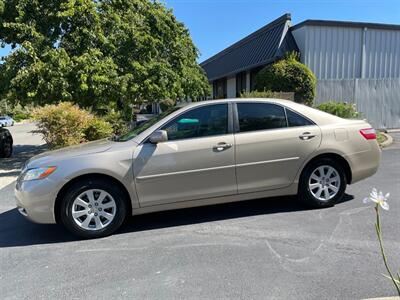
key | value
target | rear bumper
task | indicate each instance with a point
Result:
(364, 164)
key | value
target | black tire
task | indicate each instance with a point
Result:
(7, 149)
(307, 197)
(78, 188)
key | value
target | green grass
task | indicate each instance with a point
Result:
(380, 137)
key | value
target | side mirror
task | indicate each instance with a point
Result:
(158, 136)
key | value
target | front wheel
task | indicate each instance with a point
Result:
(322, 183)
(93, 208)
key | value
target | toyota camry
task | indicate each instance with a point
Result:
(204, 153)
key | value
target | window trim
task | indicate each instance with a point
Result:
(236, 124)
(230, 123)
(287, 120)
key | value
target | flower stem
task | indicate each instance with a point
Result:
(379, 233)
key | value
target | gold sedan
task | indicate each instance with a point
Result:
(204, 153)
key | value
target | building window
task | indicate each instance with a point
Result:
(240, 83)
(220, 89)
(253, 74)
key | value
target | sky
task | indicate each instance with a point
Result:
(216, 24)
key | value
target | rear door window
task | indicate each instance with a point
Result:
(260, 116)
(295, 119)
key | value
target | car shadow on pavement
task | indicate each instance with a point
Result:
(16, 231)
(203, 214)
(21, 153)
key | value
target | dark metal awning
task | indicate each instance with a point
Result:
(259, 48)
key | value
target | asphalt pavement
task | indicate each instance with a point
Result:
(262, 249)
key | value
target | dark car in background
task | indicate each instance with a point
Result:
(6, 143)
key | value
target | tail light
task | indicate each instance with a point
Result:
(368, 133)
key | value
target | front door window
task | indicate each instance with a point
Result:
(205, 121)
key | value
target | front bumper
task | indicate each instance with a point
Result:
(35, 200)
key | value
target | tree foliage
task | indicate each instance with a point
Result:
(288, 75)
(268, 94)
(96, 52)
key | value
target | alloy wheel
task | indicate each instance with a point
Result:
(324, 183)
(93, 209)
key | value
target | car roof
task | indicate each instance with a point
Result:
(271, 100)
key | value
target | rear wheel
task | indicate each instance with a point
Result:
(93, 208)
(322, 183)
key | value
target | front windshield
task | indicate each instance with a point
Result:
(142, 127)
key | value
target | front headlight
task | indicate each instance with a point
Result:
(37, 173)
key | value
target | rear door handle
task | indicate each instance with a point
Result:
(222, 146)
(306, 136)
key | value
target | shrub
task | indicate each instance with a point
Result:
(97, 129)
(267, 94)
(20, 117)
(19, 113)
(65, 124)
(16, 111)
(340, 109)
(288, 75)
(116, 119)
(165, 104)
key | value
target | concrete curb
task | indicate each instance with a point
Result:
(384, 298)
(393, 130)
(389, 140)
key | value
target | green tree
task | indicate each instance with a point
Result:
(288, 75)
(96, 52)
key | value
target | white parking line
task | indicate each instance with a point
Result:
(6, 180)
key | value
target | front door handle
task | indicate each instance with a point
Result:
(306, 136)
(222, 146)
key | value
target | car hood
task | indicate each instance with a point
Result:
(45, 158)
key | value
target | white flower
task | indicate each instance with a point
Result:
(378, 198)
